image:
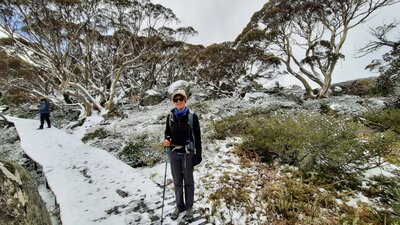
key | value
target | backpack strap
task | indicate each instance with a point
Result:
(191, 121)
(171, 119)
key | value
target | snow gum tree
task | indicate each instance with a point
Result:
(389, 65)
(307, 36)
(94, 52)
(218, 66)
(221, 66)
(20, 79)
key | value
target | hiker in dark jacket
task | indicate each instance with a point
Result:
(44, 110)
(184, 153)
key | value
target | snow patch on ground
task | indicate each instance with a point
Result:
(90, 122)
(384, 170)
(359, 197)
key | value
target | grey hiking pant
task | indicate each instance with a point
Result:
(182, 173)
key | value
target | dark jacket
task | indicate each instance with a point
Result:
(44, 108)
(180, 132)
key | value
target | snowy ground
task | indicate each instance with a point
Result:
(92, 186)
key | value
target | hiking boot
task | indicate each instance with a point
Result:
(175, 213)
(189, 214)
(40, 128)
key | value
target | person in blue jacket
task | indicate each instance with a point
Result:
(44, 110)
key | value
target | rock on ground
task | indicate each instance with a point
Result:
(20, 202)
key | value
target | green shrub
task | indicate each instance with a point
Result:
(16, 96)
(387, 190)
(230, 126)
(99, 133)
(310, 140)
(387, 119)
(141, 152)
(362, 87)
(236, 124)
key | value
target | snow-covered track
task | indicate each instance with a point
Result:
(91, 186)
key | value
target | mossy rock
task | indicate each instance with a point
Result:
(20, 202)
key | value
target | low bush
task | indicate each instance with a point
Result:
(232, 192)
(16, 96)
(387, 119)
(141, 152)
(309, 141)
(99, 133)
(330, 152)
(230, 126)
(365, 87)
(386, 188)
(235, 125)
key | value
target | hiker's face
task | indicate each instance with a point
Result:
(179, 102)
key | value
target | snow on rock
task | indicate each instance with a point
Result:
(90, 122)
(152, 92)
(377, 103)
(346, 105)
(9, 175)
(9, 145)
(152, 97)
(338, 89)
(88, 181)
(180, 84)
(254, 96)
(3, 108)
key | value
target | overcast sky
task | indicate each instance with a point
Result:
(222, 20)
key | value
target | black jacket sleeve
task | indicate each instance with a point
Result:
(197, 158)
(197, 134)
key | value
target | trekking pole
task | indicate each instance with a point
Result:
(165, 179)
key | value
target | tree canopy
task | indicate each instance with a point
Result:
(307, 36)
(93, 51)
(389, 65)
